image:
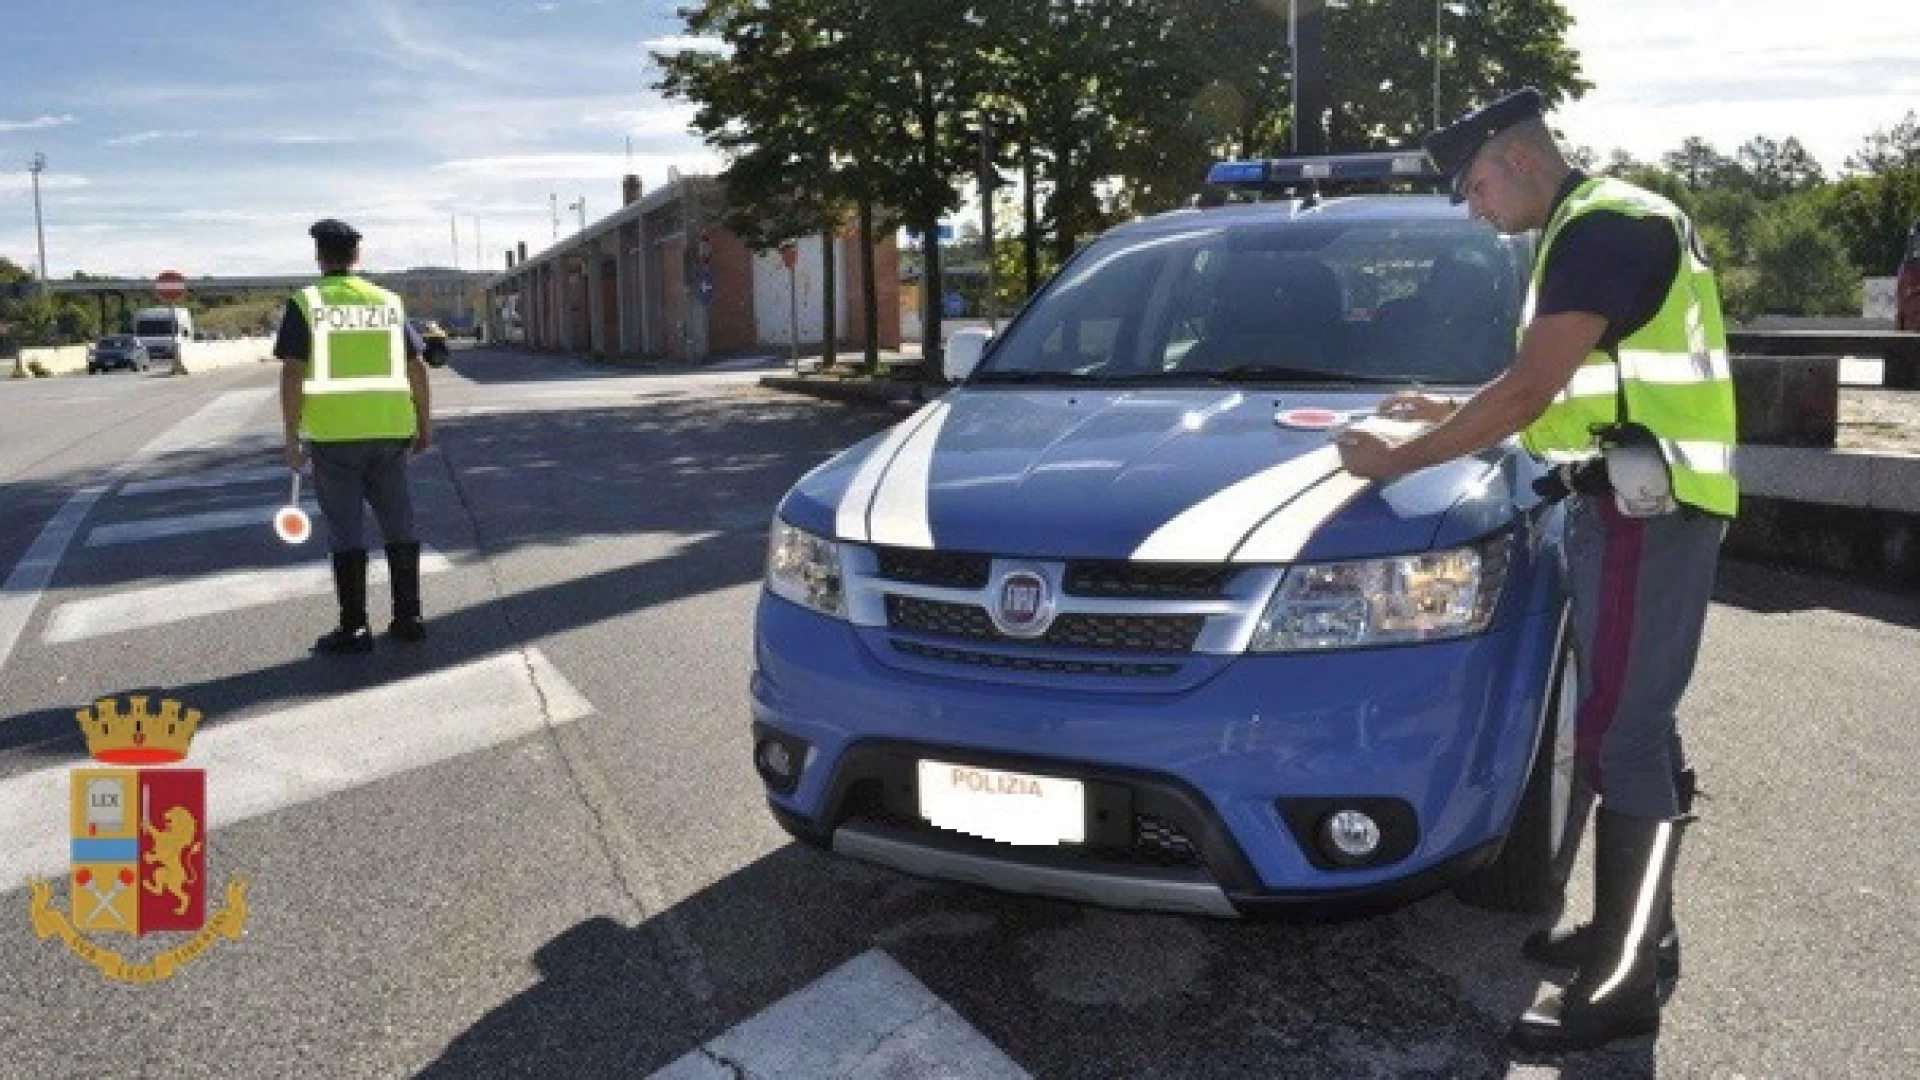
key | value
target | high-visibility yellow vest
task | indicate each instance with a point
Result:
(1671, 373)
(356, 385)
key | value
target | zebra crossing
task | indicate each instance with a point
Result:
(869, 1016)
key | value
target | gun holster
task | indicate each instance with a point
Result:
(1637, 471)
(1586, 477)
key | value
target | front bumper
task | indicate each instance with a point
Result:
(1445, 730)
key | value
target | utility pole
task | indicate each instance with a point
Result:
(36, 166)
(453, 227)
(1307, 43)
(1436, 64)
(555, 201)
(987, 187)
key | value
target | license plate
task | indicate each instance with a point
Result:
(1013, 808)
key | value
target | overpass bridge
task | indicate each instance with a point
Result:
(441, 293)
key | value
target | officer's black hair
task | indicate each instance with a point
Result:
(336, 254)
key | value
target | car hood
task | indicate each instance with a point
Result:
(1175, 475)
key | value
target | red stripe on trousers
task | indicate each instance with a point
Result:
(1613, 637)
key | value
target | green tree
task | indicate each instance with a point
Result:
(1887, 149)
(1872, 216)
(1800, 267)
(1697, 163)
(1770, 168)
(1381, 63)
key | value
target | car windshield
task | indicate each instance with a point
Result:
(154, 327)
(1311, 301)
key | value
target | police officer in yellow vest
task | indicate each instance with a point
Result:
(1621, 384)
(353, 383)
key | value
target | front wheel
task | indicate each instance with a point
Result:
(1531, 870)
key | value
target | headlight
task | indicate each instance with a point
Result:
(805, 569)
(1429, 597)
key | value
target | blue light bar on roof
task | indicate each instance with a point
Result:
(1237, 172)
(1383, 165)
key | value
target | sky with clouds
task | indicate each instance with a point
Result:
(204, 135)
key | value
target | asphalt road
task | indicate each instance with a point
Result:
(535, 844)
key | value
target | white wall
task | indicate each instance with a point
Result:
(1876, 298)
(770, 291)
(201, 356)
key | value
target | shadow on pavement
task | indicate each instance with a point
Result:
(704, 474)
(1767, 589)
(1065, 991)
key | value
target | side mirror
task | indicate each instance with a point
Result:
(964, 350)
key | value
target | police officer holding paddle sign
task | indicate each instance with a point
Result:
(1621, 383)
(353, 383)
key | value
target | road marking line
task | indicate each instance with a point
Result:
(29, 577)
(129, 532)
(867, 1017)
(259, 765)
(160, 605)
(217, 478)
(216, 424)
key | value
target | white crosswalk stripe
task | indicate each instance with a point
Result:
(869, 1017)
(129, 532)
(159, 605)
(222, 418)
(215, 478)
(258, 765)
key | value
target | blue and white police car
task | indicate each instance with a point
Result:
(1107, 622)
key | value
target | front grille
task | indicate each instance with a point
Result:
(1156, 841)
(1146, 581)
(1078, 630)
(943, 569)
(940, 617)
(1041, 664)
(1126, 633)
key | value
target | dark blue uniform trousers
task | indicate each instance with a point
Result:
(1640, 588)
(367, 472)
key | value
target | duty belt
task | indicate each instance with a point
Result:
(1585, 477)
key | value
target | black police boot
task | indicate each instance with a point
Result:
(1616, 995)
(350, 585)
(403, 565)
(1571, 947)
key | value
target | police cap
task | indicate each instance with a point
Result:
(1454, 146)
(333, 232)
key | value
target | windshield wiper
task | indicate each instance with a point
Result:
(1267, 373)
(1022, 376)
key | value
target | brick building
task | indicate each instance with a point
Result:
(662, 278)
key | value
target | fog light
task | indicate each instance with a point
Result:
(1353, 834)
(776, 759)
(779, 759)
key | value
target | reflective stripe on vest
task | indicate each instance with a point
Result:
(1673, 371)
(356, 385)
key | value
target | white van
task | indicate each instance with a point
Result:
(165, 331)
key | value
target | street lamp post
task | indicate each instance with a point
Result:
(36, 166)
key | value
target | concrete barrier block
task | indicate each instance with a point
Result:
(1895, 483)
(1787, 401)
(1801, 474)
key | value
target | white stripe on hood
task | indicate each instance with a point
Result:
(850, 520)
(899, 514)
(1211, 529)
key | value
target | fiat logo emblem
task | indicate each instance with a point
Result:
(1024, 605)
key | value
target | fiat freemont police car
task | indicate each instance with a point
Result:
(1107, 622)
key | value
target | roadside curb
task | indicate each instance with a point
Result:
(899, 395)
